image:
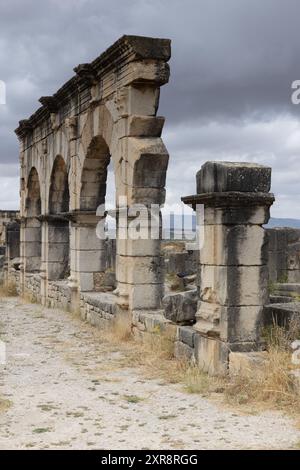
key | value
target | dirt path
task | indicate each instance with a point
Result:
(67, 389)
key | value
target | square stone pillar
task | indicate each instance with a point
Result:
(233, 281)
(139, 264)
(32, 239)
(88, 252)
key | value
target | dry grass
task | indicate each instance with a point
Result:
(4, 405)
(28, 298)
(8, 289)
(119, 331)
(154, 355)
(271, 385)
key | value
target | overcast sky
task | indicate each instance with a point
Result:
(229, 96)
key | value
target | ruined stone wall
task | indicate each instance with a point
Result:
(5, 218)
(284, 254)
(98, 311)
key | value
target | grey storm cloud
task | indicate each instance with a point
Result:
(232, 66)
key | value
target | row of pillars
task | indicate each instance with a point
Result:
(68, 246)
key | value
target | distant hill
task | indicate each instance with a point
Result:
(175, 222)
(274, 222)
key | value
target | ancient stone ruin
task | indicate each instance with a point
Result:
(214, 300)
(7, 219)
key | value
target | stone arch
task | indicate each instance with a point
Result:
(59, 197)
(92, 255)
(94, 175)
(58, 222)
(33, 230)
(33, 199)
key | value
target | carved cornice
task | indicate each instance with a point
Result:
(50, 103)
(126, 50)
(230, 199)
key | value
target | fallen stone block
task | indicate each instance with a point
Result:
(181, 307)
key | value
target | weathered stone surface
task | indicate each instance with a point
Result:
(234, 285)
(211, 355)
(234, 245)
(186, 334)
(233, 176)
(181, 307)
(246, 361)
(284, 254)
(281, 313)
(183, 352)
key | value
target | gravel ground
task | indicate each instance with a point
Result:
(69, 390)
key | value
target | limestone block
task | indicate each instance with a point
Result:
(85, 238)
(257, 215)
(146, 296)
(32, 234)
(246, 361)
(211, 355)
(92, 261)
(139, 270)
(145, 126)
(138, 247)
(55, 270)
(149, 158)
(186, 334)
(183, 351)
(58, 252)
(234, 285)
(86, 282)
(208, 318)
(241, 324)
(181, 307)
(233, 176)
(234, 245)
(58, 234)
(32, 249)
(142, 100)
(33, 264)
(148, 196)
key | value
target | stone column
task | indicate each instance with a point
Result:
(88, 255)
(31, 231)
(139, 266)
(233, 260)
(58, 247)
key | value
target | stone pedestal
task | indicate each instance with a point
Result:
(233, 281)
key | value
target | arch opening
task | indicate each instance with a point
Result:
(58, 222)
(33, 229)
(96, 260)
